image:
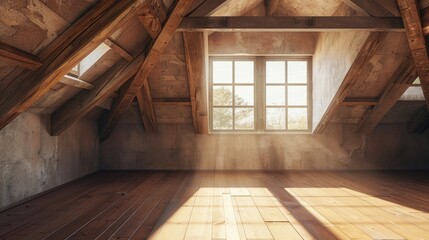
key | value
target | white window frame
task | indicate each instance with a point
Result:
(260, 94)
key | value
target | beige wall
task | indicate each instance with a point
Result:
(177, 147)
(31, 161)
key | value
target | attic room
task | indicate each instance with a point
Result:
(214, 119)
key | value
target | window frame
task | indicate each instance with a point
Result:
(259, 93)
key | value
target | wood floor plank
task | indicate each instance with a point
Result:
(228, 205)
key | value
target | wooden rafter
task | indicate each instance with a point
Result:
(374, 7)
(394, 89)
(293, 24)
(104, 87)
(147, 112)
(270, 7)
(359, 101)
(154, 51)
(75, 82)
(118, 50)
(18, 57)
(194, 53)
(63, 54)
(152, 17)
(207, 8)
(357, 70)
(410, 13)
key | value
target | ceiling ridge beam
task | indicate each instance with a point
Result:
(356, 70)
(395, 88)
(59, 57)
(155, 49)
(292, 23)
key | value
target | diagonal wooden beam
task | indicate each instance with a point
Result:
(155, 50)
(152, 16)
(410, 13)
(356, 71)
(63, 54)
(270, 7)
(104, 86)
(194, 54)
(18, 57)
(147, 113)
(76, 82)
(207, 8)
(374, 7)
(118, 50)
(394, 89)
(292, 23)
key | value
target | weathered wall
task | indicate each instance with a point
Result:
(177, 147)
(31, 161)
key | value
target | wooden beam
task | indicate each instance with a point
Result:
(147, 113)
(104, 87)
(18, 57)
(270, 7)
(174, 101)
(356, 71)
(118, 50)
(193, 43)
(374, 8)
(59, 57)
(152, 16)
(411, 16)
(292, 24)
(419, 122)
(359, 101)
(76, 82)
(394, 89)
(155, 49)
(207, 8)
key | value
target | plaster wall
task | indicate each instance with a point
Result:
(32, 161)
(177, 147)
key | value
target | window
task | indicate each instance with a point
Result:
(259, 94)
(89, 60)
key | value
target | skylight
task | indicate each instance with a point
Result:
(89, 60)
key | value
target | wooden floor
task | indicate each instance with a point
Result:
(215, 205)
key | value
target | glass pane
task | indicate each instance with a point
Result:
(244, 72)
(275, 72)
(275, 96)
(222, 118)
(297, 72)
(297, 95)
(222, 95)
(222, 71)
(244, 118)
(244, 95)
(297, 118)
(276, 118)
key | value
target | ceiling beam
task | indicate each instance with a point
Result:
(147, 112)
(76, 82)
(207, 8)
(195, 56)
(410, 13)
(155, 49)
(152, 17)
(65, 52)
(292, 24)
(118, 50)
(270, 7)
(356, 71)
(18, 57)
(359, 101)
(395, 88)
(374, 7)
(104, 87)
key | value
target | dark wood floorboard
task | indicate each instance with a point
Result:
(228, 205)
